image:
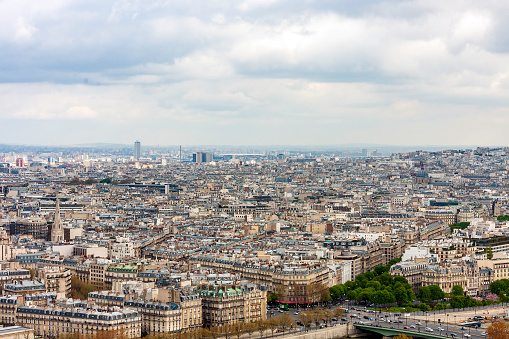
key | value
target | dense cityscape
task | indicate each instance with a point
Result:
(152, 241)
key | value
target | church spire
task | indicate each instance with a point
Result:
(57, 230)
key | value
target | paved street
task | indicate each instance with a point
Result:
(430, 324)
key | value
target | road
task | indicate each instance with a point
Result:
(390, 320)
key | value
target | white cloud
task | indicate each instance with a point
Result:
(280, 70)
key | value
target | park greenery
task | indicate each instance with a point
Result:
(378, 287)
(461, 226)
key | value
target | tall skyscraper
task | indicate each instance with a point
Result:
(200, 157)
(137, 150)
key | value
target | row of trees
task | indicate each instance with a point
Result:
(307, 318)
(283, 323)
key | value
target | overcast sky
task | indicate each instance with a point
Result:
(254, 72)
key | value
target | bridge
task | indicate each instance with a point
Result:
(391, 332)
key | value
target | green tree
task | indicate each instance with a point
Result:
(424, 307)
(440, 306)
(457, 290)
(400, 294)
(379, 270)
(424, 294)
(385, 279)
(489, 253)
(436, 292)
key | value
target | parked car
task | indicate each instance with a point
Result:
(441, 329)
(466, 335)
(429, 329)
(418, 324)
(406, 327)
(412, 326)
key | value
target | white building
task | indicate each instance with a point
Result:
(121, 248)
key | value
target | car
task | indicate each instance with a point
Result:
(483, 333)
(382, 319)
(371, 319)
(344, 319)
(454, 335)
(412, 326)
(466, 335)
(406, 327)
(388, 320)
(440, 329)
(334, 319)
(353, 315)
(428, 329)
(366, 317)
(418, 324)
(296, 313)
(397, 314)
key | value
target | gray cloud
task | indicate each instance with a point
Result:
(281, 71)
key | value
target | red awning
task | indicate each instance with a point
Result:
(293, 302)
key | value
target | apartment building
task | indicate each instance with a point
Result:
(56, 279)
(157, 317)
(230, 304)
(54, 321)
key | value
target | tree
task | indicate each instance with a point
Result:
(215, 332)
(339, 312)
(401, 336)
(424, 294)
(273, 324)
(436, 292)
(325, 295)
(400, 295)
(498, 286)
(328, 315)
(285, 321)
(489, 253)
(226, 330)
(306, 318)
(238, 330)
(457, 290)
(280, 292)
(440, 306)
(379, 270)
(458, 301)
(79, 289)
(317, 317)
(498, 330)
(261, 326)
(424, 307)
(250, 328)
(385, 279)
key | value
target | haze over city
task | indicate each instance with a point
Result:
(254, 72)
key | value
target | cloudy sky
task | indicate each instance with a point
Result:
(258, 72)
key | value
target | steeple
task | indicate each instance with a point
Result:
(57, 230)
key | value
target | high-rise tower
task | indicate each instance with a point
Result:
(137, 150)
(57, 230)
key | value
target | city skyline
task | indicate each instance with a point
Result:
(254, 72)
